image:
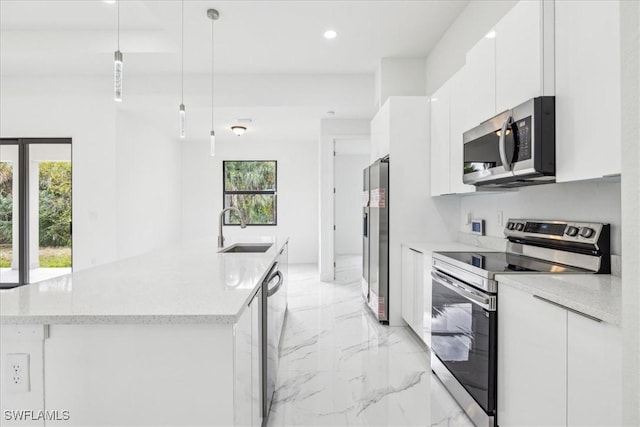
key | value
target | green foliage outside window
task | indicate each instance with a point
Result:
(55, 204)
(55, 214)
(6, 202)
(251, 187)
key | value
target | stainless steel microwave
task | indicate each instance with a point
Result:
(513, 149)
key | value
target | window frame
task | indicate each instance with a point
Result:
(273, 192)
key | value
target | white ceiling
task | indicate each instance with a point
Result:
(284, 37)
(272, 62)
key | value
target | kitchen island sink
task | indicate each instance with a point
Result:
(246, 248)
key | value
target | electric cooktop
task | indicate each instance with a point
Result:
(504, 262)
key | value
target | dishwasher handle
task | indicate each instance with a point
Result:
(272, 291)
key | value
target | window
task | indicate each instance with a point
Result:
(35, 209)
(250, 186)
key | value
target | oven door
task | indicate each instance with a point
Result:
(463, 336)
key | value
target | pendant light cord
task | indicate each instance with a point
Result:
(182, 57)
(118, 24)
(212, 24)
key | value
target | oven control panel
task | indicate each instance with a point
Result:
(567, 231)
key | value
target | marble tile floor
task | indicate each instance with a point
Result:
(340, 367)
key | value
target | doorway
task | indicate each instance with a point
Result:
(351, 156)
(35, 210)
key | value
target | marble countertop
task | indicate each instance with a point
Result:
(188, 283)
(597, 295)
(430, 247)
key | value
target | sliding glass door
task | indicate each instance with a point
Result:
(35, 210)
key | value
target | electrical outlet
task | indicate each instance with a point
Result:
(500, 218)
(17, 372)
(469, 218)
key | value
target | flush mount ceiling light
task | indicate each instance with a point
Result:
(491, 34)
(330, 34)
(183, 113)
(117, 67)
(109, 1)
(213, 15)
(239, 130)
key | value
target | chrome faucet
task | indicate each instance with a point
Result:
(242, 224)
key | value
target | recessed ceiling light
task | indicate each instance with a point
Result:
(330, 34)
(109, 1)
(331, 112)
(239, 130)
(491, 35)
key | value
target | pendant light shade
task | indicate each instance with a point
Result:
(117, 67)
(117, 76)
(213, 15)
(183, 120)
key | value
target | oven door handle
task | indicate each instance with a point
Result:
(488, 302)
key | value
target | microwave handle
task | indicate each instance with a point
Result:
(502, 144)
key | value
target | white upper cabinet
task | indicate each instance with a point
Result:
(440, 141)
(459, 122)
(524, 53)
(380, 133)
(479, 85)
(588, 128)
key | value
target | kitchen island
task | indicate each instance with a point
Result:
(167, 338)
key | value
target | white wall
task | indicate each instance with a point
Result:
(297, 191)
(348, 202)
(125, 166)
(573, 201)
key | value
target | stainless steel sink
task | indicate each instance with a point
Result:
(247, 248)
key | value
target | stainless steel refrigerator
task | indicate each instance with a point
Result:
(375, 238)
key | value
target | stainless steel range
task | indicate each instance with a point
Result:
(465, 307)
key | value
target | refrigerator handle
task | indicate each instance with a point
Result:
(365, 224)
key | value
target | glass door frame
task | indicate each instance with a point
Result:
(23, 202)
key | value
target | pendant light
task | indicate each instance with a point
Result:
(183, 113)
(117, 67)
(213, 15)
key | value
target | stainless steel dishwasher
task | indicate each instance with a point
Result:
(274, 300)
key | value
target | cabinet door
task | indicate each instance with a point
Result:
(418, 290)
(440, 141)
(408, 286)
(426, 299)
(380, 132)
(588, 129)
(532, 361)
(519, 55)
(594, 373)
(459, 107)
(256, 360)
(243, 387)
(478, 85)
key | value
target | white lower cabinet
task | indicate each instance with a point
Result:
(594, 373)
(532, 354)
(555, 367)
(416, 292)
(247, 365)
